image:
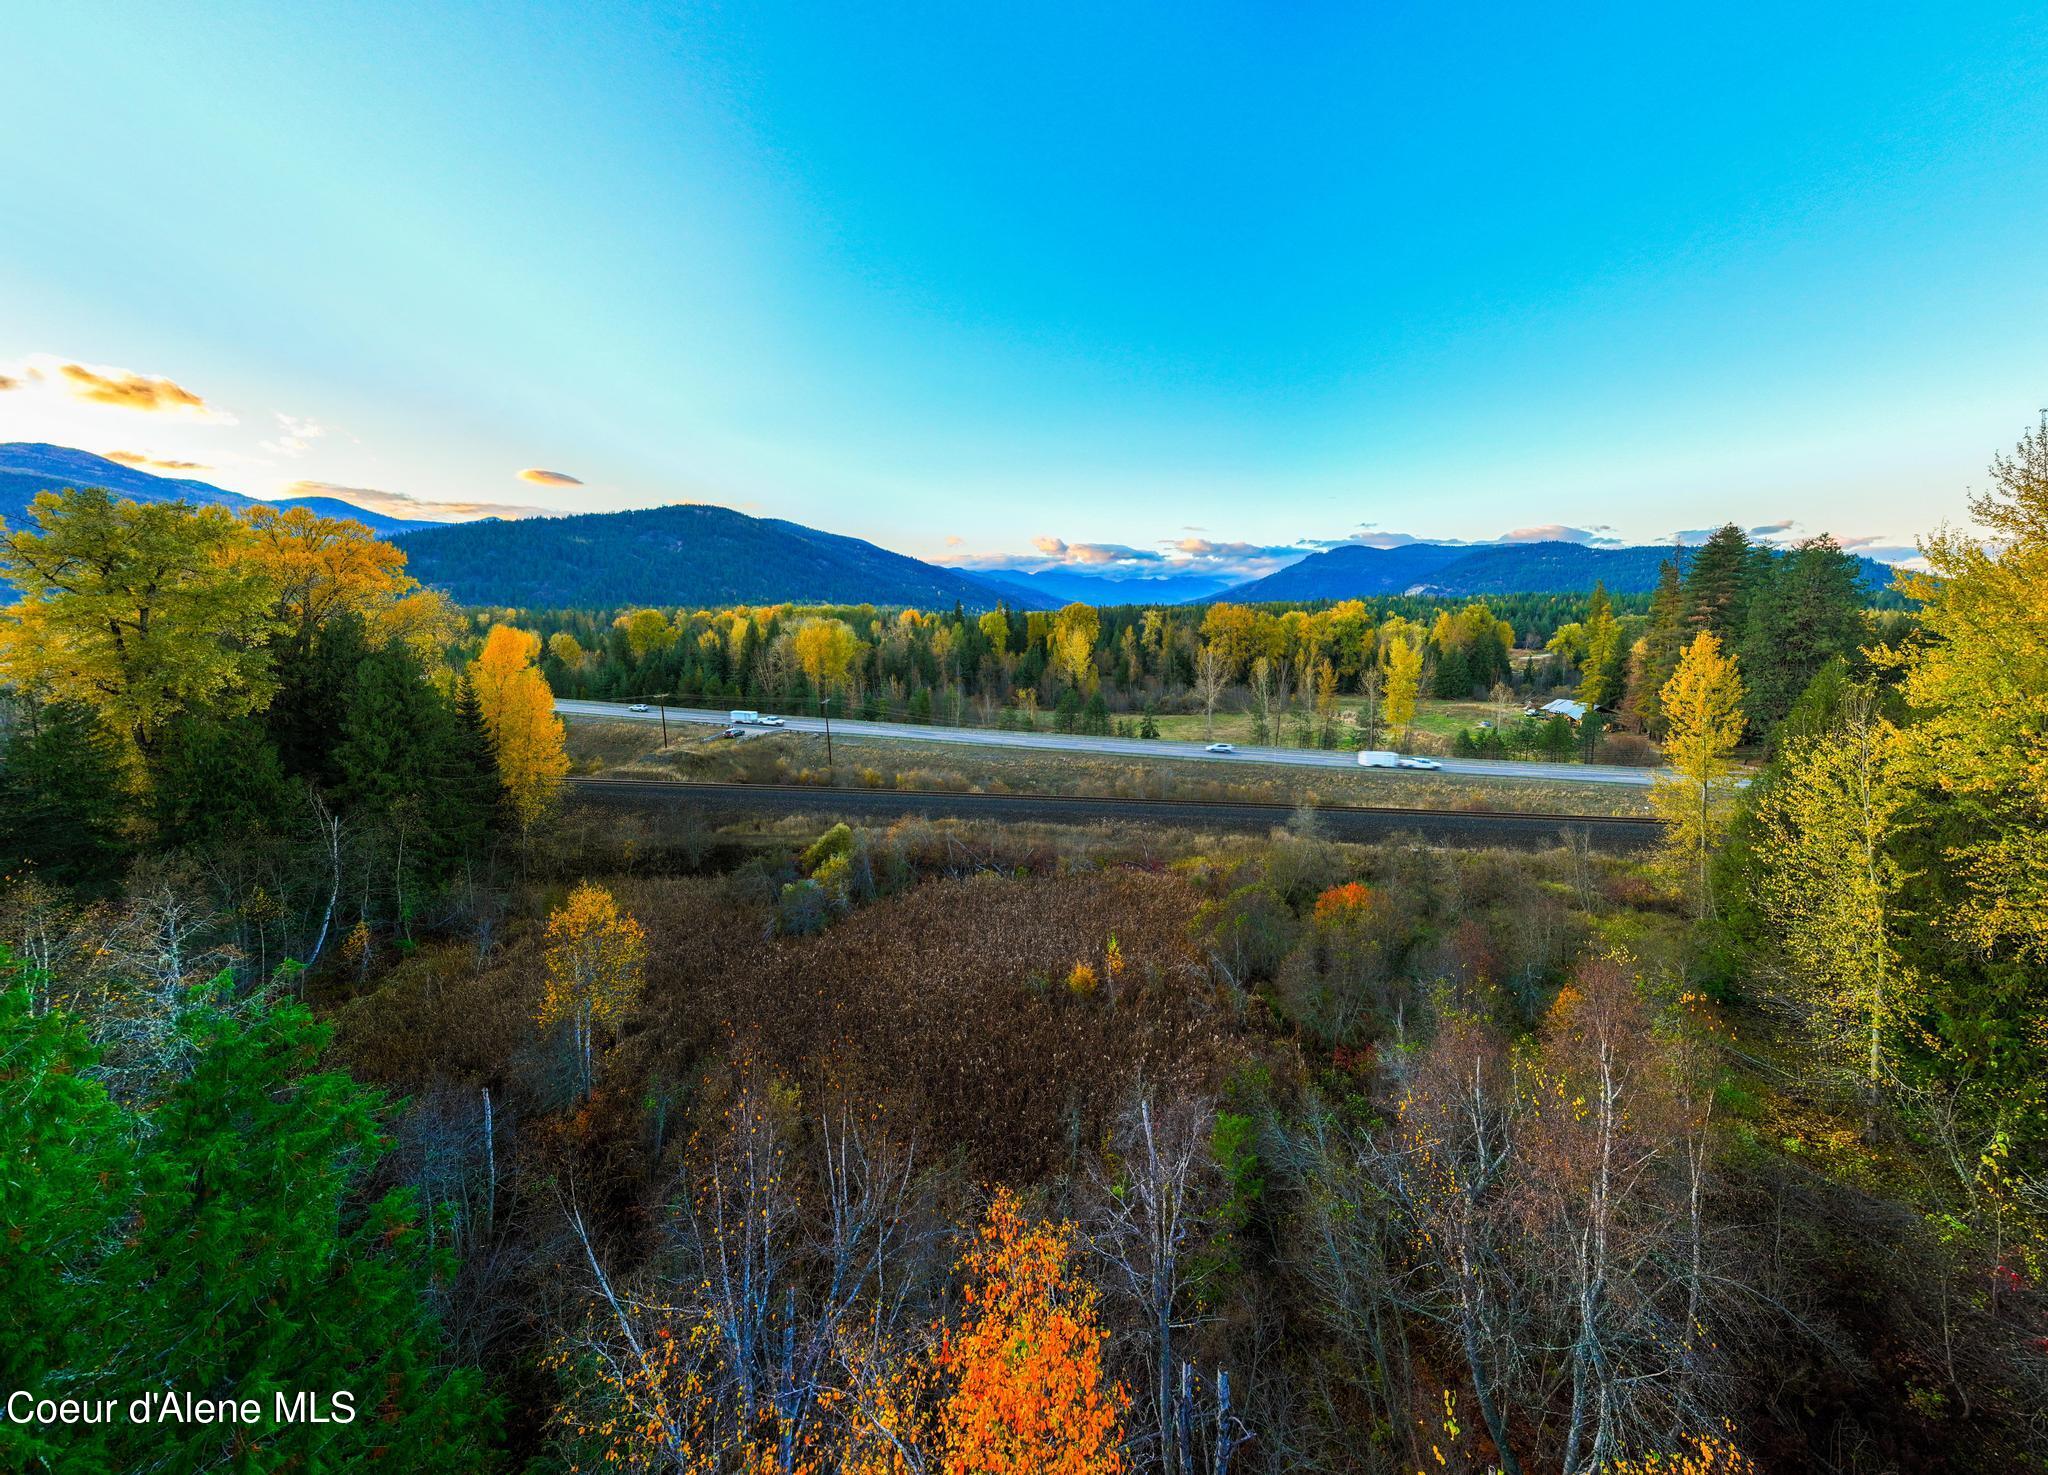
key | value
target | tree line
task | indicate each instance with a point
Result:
(1334, 674)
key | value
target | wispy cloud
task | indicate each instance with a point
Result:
(8, 381)
(136, 458)
(401, 504)
(125, 389)
(1555, 532)
(298, 437)
(1120, 561)
(542, 478)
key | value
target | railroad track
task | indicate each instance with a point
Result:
(1340, 821)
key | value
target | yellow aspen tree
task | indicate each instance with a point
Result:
(1074, 632)
(1831, 886)
(1404, 678)
(1978, 687)
(519, 713)
(566, 648)
(1702, 702)
(826, 650)
(596, 960)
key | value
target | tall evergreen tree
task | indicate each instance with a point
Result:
(63, 804)
(215, 779)
(313, 689)
(1663, 642)
(1717, 587)
(405, 762)
(1806, 611)
(218, 1242)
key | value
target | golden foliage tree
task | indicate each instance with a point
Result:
(647, 632)
(1831, 886)
(825, 649)
(1027, 1391)
(1702, 703)
(519, 714)
(137, 611)
(596, 960)
(565, 648)
(1979, 689)
(321, 567)
(1074, 632)
(1403, 659)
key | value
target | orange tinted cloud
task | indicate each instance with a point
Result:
(549, 478)
(136, 458)
(7, 384)
(130, 391)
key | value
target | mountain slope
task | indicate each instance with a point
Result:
(29, 467)
(1474, 572)
(686, 555)
(1055, 587)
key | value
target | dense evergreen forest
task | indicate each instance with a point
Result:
(342, 1052)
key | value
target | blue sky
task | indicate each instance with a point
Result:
(1037, 283)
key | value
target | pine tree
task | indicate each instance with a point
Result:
(68, 1187)
(313, 688)
(1663, 643)
(401, 764)
(1717, 587)
(63, 800)
(215, 779)
(217, 1241)
(1806, 611)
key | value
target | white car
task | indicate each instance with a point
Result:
(1220, 748)
(1420, 763)
(771, 722)
(639, 707)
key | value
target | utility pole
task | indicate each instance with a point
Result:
(661, 705)
(825, 706)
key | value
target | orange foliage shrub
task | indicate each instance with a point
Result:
(1028, 1395)
(1341, 901)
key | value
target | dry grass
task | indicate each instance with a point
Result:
(634, 750)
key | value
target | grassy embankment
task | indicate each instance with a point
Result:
(633, 750)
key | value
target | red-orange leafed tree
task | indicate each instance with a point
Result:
(1027, 1392)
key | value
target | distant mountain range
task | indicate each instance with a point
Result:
(702, 556)
(1064, 586)
(1475, 571)
(688, 555)
(28, 467)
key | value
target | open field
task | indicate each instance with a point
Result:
(631, 749)
(1436, 723)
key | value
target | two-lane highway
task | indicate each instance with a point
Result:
(985, 737)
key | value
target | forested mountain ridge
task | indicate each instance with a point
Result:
(29, 467)
(1354, 572)
(692, 555)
